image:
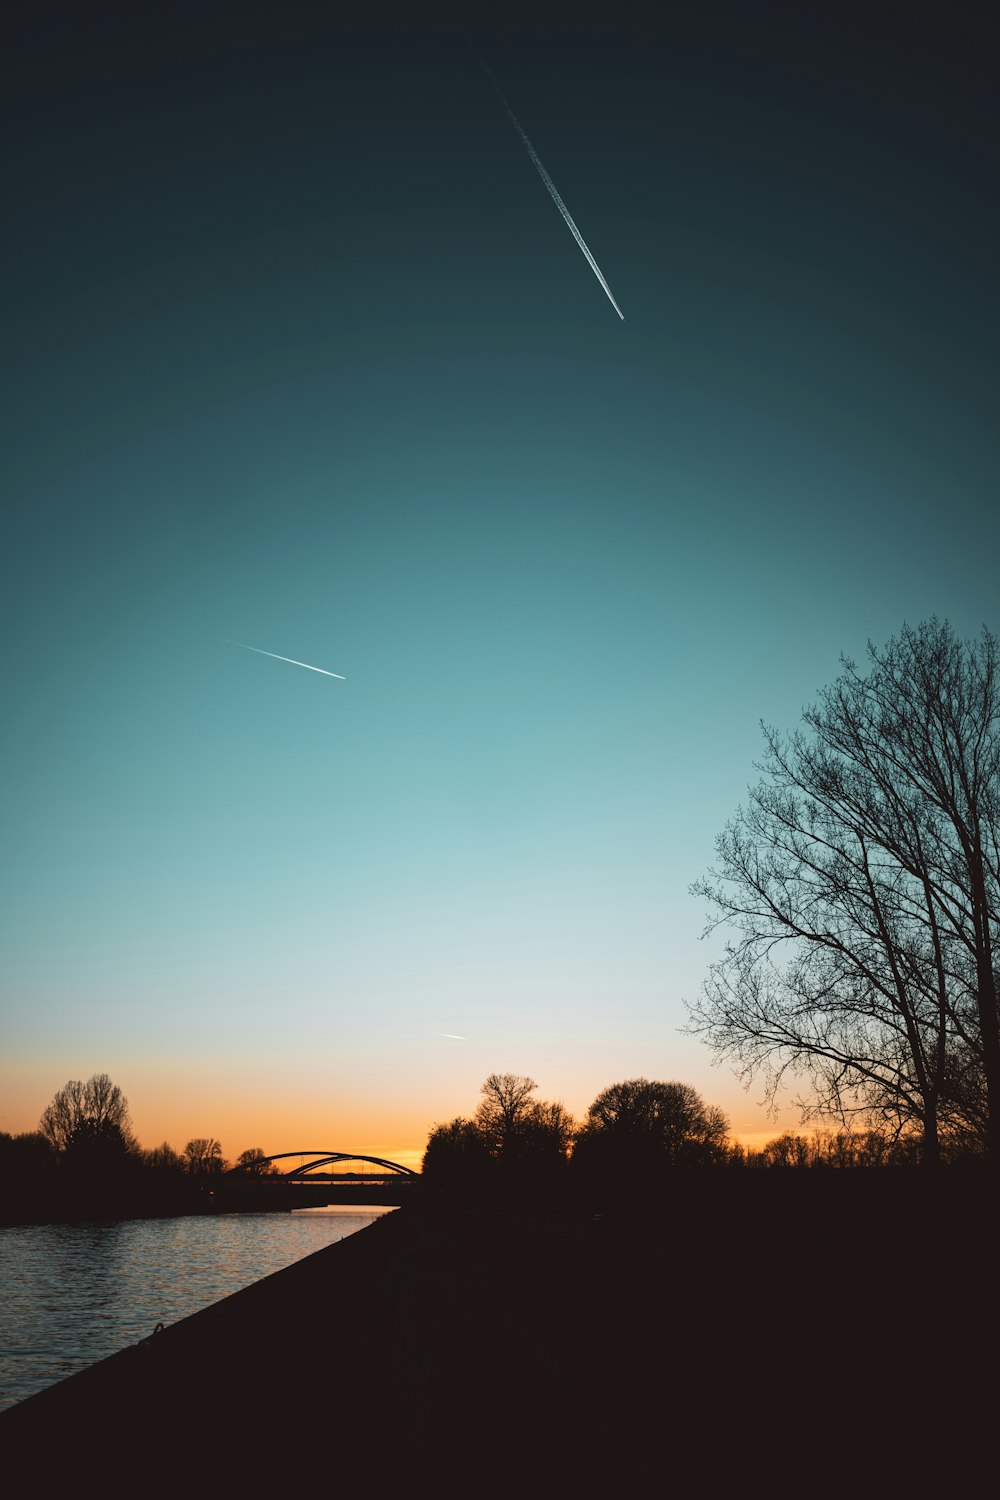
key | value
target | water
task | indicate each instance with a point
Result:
(71, 1294)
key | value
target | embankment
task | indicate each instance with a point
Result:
(759, 1332)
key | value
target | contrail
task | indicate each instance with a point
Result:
(553, 191)
(291, 659)
(452, 1037)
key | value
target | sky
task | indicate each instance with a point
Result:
(300, 354)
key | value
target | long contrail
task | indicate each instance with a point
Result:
(291, 659)
(553, 190)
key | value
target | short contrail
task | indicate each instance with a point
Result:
(291, 659)
(551, 187)
(452, 1037)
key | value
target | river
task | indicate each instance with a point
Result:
(71, 1294)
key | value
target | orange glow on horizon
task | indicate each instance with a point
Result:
(261, 1108)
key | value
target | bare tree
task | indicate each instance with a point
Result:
(84, 1117)
(547, 1129)
(203, 1157)
(505, 1104)
(255, 1163)
(524, 1140)
(862, 882)
(842, 1149)
(163, 1158)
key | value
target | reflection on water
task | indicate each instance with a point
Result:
(74, 1293)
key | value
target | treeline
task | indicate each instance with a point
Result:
(638, 1137)
(84, 1161)
(840, 1149)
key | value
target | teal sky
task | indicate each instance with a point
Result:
(299, 353)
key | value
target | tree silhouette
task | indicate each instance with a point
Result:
(515, 1142)
(544, 1130)
(638, 1126)
(203, 1157)
(457, 1156)
(255, 1163)
(522, 1134)
(89, 1120)
(505, 1104)
(863, 884)
(163, 1159)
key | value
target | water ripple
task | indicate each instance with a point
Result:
(74, 1293)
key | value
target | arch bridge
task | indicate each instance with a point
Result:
(323, 1159)
(263, 1184)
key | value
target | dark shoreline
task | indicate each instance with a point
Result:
(727, 1332)
(89, 1206)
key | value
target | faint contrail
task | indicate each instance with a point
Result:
(452, 1037)
(551, 186)
(291, 659)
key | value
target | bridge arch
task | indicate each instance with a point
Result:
(323, 1159)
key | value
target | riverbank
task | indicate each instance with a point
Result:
(725, 1339)
(55, 1203)
(89, 1206)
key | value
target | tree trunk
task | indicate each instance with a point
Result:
(931, 1155)
(986, 997)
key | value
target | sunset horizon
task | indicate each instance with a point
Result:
(372, 1130)
(390, 617)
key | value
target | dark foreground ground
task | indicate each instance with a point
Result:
(815, 1335)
